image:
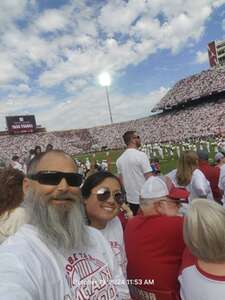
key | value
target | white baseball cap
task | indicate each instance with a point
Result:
(162, 186)
(154, 187)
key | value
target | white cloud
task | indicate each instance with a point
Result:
(75, 85)
(142, 34)
(19, 103)
(118, 16)
(90, 108)
(68, 47)
(11, 10)
(51, 20)
(201, 57)
(23, 88)
(9, 70)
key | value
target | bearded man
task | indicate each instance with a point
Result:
(56, 256)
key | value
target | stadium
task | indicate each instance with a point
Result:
(112, 150)
(191, 111)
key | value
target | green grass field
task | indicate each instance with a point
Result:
(167, 164)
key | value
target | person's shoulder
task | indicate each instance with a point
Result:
(140, 153)
(176, 220)
(172, 173)
(19, 212)
(115, 222)
(122, 155)
(95, 235)
(168, 224)
(17, 245)
(222, 169)
(198, 173)
(214, 170)
(164, 220)
(188, 260)
(135, 221)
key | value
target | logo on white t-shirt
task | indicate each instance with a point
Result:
(89, 278)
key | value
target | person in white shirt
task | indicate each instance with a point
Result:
(16, 164)
(202, 273)
(189, 176)
(133, 168)
(56, 256)
(103, 198)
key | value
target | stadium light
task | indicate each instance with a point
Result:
(105, 81)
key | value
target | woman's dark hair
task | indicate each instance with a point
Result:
(36, 150)
(94, 180)
(11, 191)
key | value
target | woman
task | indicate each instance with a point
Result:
(203, 267)
(189, 176)
(37, 150)
(11, 196)
(103, 198)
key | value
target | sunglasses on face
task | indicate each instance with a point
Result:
(136, 137)
(103, 194)
(54, 178)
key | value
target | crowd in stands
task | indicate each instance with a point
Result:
(204, 120)
(194, 87)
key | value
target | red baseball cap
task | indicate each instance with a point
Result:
(176, 193)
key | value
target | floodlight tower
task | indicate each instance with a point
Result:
(105, 80)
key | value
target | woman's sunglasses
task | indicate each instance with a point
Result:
(54, 178)
(103, 194)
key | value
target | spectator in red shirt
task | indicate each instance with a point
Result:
(211, 173)
(154, 242)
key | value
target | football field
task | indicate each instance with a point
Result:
(167, 164)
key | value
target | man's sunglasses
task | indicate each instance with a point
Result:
(103, 194)
(136, 137)
(54, 178)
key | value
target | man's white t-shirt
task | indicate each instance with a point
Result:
(198, 187)
(113, 232)
(132, 165)
(29, 270)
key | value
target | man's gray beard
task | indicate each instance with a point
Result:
(59, 227)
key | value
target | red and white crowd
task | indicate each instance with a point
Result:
(192, 88)
(203, 121)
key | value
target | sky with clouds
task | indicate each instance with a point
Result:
(52, 51)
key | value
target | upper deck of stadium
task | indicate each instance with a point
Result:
(208, 83)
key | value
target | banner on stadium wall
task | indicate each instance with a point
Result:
(212, 53)
(21, 124)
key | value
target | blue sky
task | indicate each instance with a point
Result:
(52, 51)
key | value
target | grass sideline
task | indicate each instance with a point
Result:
(166, 164)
